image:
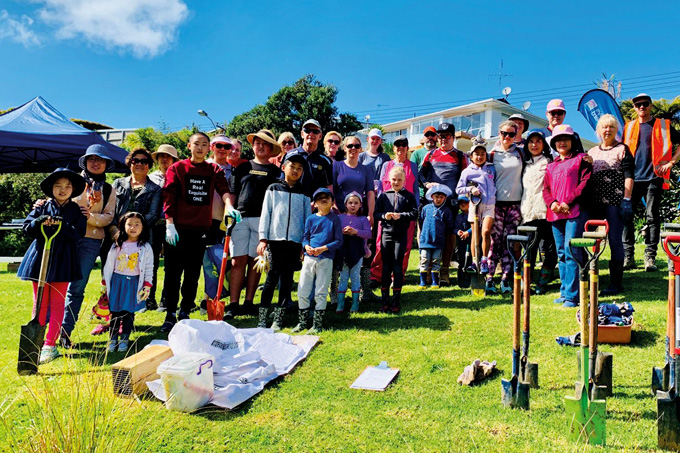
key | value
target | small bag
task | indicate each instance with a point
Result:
(101, 309)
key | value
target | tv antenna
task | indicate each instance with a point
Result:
(500, 74)
(526, 106)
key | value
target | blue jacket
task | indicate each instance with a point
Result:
(437, 224)
(63, 265)
(323, 230)
(284, 212)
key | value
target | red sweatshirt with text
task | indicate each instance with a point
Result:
(187, 193)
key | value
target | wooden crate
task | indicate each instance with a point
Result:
(131, 374)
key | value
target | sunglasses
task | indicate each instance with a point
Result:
(134, 160)
(353, 146)
(334, 142)
(287, 142)
(311, 131)
(508, 134)
(557, 112)
(400, 145)
(445, 136)
(430, 134)
(642, 104)
(223, 146)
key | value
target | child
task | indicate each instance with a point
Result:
(128, 274)
(477, 180)
(565, 181)
(537, 156)
(59, 187)
(437, 222)
(463, 230)
(395, 209)
(282, 225)
(356, 229)
(322, 237)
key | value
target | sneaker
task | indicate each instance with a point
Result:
(484, 267)
(151, 305)
(559, 300)
(182, 315)
(505, 286)
(490, 287)
(169, 323)
(204, 307)
(161, 307)
(650, 265)
(471, 269)
(65, 341)
(48, 353)
(230, 311)
(123, 346)
(569, 304)
(111, 347)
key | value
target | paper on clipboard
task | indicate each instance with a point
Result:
(375, 377)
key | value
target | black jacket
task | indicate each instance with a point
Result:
(402, 202)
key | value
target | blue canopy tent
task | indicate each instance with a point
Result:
(36, 138)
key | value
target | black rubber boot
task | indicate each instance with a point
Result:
(385, 298)
(303, 314)
(366, 291)
(615, 279)
(278, 319)
(262, 317)
(396, 302)
(317, 323)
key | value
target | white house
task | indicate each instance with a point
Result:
(482, 117)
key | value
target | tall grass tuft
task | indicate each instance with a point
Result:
(75, 411)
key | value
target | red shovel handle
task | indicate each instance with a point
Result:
(593, 225)
(671, 245)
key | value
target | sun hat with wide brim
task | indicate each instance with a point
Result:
(267, 136)
(560, 130)
(437, 188)
(77, 181)
(165, 149)
(99, 151)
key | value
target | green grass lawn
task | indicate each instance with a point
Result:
(437, 334)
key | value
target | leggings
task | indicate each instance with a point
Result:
(52, 308)
(393, 251)
(118, 318)
(350, 273)
(506, 220)
(285, 254)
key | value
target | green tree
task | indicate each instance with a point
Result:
(150, 139)
(289, 107)
(17, 194)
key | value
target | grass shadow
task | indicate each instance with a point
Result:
(385, 324)
(643, 338)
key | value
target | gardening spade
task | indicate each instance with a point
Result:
(601, 381)
(515, 392)
(216, 306)
(667, 402)
(586, 416)
(528, 371)
(33, 333)
(477, 282)
(661, 375)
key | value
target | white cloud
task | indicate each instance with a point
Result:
(17, 29)
(144, 27)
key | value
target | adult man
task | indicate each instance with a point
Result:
(319, 168)
(651, 141)
(249, 183)
(522, 125)
(443, 166)
(555, 112)
(187, 201)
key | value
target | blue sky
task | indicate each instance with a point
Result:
(136, 63)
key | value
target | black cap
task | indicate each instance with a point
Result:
(401, 138)
(294, 157)
(446, 128)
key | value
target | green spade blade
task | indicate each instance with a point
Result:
(586, 419)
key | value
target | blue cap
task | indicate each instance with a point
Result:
(323, 191)
(463, 199)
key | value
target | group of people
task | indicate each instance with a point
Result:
(345, 217)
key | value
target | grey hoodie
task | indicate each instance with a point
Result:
(284, 212)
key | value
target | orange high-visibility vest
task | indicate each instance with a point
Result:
(662, 148)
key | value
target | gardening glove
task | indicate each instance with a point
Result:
(144, 293)
(626, 210)
(103, 287)
(41, 219)
(171, 236)
(234, 214)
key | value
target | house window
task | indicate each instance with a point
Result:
(420, 126)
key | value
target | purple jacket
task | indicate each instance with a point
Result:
(483, 178)
(564, 181)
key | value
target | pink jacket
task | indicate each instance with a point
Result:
(564, 181)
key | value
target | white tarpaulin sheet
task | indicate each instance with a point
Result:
(245, 359)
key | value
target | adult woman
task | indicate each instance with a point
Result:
(350, 176)
(164, 156)
(612, 187)
(287, 142)
(374, 157)
(331, 145)
(98, 205)
(401, 159)
(138, 193)
(507, 162)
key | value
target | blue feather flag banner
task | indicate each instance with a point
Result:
(596, 103)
